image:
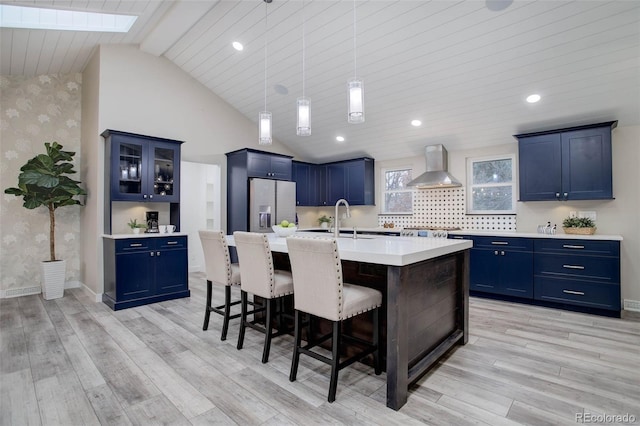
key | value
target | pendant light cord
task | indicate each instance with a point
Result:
(355, 61)
(303, 48)
(266, 27)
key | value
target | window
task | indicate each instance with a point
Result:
(491, 185)
(397, 197)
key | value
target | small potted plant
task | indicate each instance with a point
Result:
(324, 221)
(579, 225)
(135, 226)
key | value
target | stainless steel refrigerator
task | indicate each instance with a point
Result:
(270, 202)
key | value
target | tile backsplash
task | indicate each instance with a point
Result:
(446, 208)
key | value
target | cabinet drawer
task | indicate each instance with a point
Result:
(503, 243)
(584, 267)
(134, 244)
(580, 247)
(594, 295)
(171, 242)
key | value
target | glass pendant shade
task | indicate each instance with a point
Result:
(264, 128)
(304, 117)
(356, 101)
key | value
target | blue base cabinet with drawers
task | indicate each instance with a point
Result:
(578, 272)
(144, 270)
(574, 274)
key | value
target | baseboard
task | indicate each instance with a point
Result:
(631, 305)
(96, 296)
(20, 291)
(37, 289)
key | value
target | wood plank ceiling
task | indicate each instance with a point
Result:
(460, 67)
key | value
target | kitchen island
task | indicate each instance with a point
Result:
(425, 287)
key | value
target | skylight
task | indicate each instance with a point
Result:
(65, 20)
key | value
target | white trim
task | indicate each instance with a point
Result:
(631, 305)
(471, 186)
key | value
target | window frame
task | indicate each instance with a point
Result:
(470, 185)
(384, 191)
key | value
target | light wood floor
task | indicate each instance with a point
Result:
(75, 362)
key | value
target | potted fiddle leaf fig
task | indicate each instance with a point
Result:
(45, 181)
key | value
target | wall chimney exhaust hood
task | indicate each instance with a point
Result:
(436, 175)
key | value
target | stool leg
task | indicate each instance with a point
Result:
(227, 312)
(376, 341)
(243, 317)
(335, 362)
(296, 345)
(267, 332)
(207, 311)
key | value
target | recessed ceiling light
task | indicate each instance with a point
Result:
(280, 89)
(416, 123)
(532, 99)
(66, 20)
(340, 138)
(237, 45)
(498, 5)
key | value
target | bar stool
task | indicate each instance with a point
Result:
(320, 291)
(260, 279)
(221, 271)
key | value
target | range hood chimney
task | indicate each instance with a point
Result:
(436, 175)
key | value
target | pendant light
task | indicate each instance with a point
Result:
(303, 127)
(264, 117)
(355, 85)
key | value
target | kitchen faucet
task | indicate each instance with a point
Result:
(336, 224)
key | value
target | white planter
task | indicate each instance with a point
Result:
(136, 230)
(324, 225)
(53, 275)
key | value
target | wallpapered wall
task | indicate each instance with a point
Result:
(35, 110)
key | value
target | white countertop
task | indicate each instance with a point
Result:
(536, 235)
(382, 250)
(378, 229)
(144, 235)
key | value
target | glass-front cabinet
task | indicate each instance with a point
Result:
(143, 168)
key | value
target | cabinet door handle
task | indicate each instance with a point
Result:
(457, 238)
(569, 246)
(152, 254)
(158, 253)
(172, 242)
(578, 293)
(502, 253)
(135, 245)
(573, 266)
(495, 252)
(500, 243)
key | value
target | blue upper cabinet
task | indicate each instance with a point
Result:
(142, 168)
(324, 184)
(268, 165)
(566, 164)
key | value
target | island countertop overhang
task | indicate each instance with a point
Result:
(381, 250)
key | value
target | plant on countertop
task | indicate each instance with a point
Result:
(133, 224)
(44, 181)
(323, 219)
(578, 222)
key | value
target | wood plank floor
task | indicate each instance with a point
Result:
(71, 361)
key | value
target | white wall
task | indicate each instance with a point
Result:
(136, 92)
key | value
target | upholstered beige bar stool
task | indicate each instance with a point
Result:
(320, 291)
(221, 271)
(260, 279)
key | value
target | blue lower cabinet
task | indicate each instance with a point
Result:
(501, 271)
(578, 292)
(139, 271)
(574, 274)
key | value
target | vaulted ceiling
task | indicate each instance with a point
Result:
(464, 68)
